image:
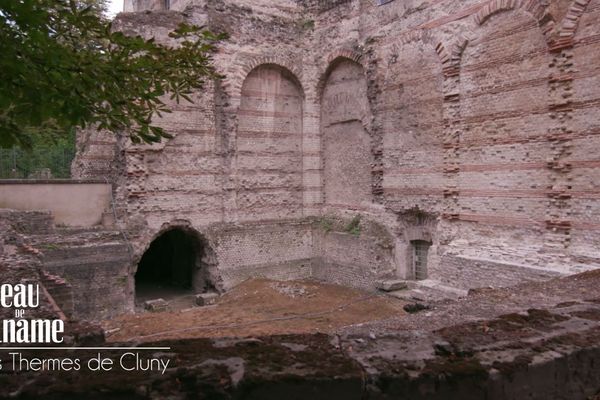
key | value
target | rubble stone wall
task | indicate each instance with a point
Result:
(280, 250)
(480, 114)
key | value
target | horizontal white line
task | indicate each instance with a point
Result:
(85, 348)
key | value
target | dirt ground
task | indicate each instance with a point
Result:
(261, 307)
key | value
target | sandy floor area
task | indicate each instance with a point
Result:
(261, 307)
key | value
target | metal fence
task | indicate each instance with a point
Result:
(46, 162)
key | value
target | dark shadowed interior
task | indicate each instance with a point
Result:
(169, 264)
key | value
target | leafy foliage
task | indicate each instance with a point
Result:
(353, 226)
(63, 66)
(326, 224)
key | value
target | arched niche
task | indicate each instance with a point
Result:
(584, 125)
(269, 144)
(346, 144)
(411, 112)
(504, 126)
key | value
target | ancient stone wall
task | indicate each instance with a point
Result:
(268, 163)
(352, 252)
(578, 82)
(282, 250)
(479, 114)
(345, 141)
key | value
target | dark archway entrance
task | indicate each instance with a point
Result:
(173, 266)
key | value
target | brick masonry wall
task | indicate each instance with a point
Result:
(352, 259)
(95, 265)
(582, 82)
(345, 141)
(268, 162)
(504, 120)
(281, 250)
(480, 114)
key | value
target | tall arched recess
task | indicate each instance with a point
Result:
(346, 145)
(269, 145)
(584, 126)
(504, 142)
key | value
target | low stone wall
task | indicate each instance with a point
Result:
(355, 256)
(538, 355)
(72, 203)
(94, 263)
(466, 273)
(329, 249)
(277, 250)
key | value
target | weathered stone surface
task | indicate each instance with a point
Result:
(537, 354)
(390, 286)
(21, 263)
(206, 299)
(157, 305)
(94, 263)
(469, 124)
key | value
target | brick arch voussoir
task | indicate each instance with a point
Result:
(538, 9)
(332, 60)
(450, 54)
(564, 36)
(250, 65)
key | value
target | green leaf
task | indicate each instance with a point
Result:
(64, 67)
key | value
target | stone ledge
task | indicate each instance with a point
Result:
(513, 356)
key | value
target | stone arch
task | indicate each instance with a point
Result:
(450, 55)
(538, 9)
(411, 119)
(268, 145)
(175, 260)
(332, 60)
(345, 142)
(246, 67)
(503, 121)
(570, 24)
(364, 111)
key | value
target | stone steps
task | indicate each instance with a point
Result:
(28, 222)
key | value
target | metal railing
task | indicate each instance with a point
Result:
(47, 162)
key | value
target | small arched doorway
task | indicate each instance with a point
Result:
(175, 264)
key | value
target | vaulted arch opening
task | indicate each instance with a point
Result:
(176, 263)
